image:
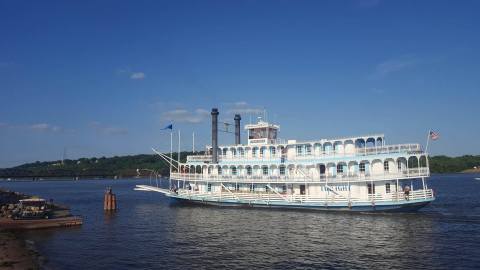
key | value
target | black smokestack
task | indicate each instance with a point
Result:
(237, 128)
(214, 135)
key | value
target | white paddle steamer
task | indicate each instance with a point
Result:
(360, 173)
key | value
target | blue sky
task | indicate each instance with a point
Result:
(102, 77)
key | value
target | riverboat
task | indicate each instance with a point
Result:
(358, 173)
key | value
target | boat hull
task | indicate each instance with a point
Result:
(405, 206)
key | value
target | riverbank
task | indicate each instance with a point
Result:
(473, 170)
(16, 253)
(19, 211)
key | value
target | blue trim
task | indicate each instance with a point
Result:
(403, 206)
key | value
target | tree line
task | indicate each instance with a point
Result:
(117, 166)
(126, 166)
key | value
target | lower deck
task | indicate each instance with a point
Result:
(405, 206)
(285, 196)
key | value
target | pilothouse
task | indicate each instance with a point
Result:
(358, 173)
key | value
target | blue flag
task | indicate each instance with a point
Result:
(168, 127)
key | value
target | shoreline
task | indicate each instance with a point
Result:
(18, 253)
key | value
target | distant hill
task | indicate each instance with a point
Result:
(123, 166)
(445, 164)
(126, 166)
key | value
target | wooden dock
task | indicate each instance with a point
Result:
(31, 224)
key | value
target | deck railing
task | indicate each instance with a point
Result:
(199, 158)
(389, 149)
(397, 196)
(420, 194)
(407, 173)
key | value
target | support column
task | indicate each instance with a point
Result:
(349, 194)
(418, 168)
(396, 191)
(423, 186)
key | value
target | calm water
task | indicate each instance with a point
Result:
(149, 233)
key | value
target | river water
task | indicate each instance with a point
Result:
(148, 232)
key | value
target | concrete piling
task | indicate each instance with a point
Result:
(110, 200)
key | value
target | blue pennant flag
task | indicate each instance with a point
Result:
(168, 127)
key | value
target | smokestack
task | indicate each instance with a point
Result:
(214, 135)
(237, 128)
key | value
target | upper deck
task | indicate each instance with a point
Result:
(292, 150)
(362, 158)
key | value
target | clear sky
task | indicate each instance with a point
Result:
(102, 77)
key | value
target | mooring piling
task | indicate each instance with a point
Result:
(110, 200)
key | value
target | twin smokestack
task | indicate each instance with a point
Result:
(215, 133)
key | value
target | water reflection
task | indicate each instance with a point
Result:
(238, 238)
(109, 217)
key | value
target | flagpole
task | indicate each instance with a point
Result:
(428, 140)
(426, 153)
(179, 148)
(171, 160)
(193, 142)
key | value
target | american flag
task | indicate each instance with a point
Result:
(433, 135)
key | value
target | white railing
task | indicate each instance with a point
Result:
(399, 196)
(389, 149)
(336, 139)
(407, 173)
(199, 158)
(420, 194)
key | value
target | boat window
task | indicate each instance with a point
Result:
(240, 152)
(361, 167)
(272, 134)
(370, 190)
(272, 151)
(302, 189)
(299, 150)
(387, 187)
(209, 187)
(254, 151)
(265, 170)
(209, 170)
(257, 133)
(234, 170)
(308, 149)
(262, 152)
(224, 151)
(284, 188)
(385, 166)
(249, 170)
(282, 170)
(339, 168)
(219, 170)
(252, 188)
(399, 165)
